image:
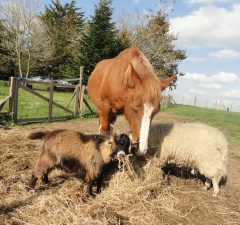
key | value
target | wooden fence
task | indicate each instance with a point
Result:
(24, 84)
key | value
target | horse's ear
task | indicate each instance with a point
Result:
(165, 83)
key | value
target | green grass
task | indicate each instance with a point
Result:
(30, 106)
(228, 122)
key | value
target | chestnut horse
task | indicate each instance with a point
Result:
(127, 84)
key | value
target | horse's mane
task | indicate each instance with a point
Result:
(149, 81)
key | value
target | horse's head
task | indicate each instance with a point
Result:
(139, 114)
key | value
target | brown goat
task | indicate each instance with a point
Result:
(75, 152)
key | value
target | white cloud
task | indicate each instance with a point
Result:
(196, 59)
(225, 54)
(230, 94)
(194, 91)
(210, 86)
(191, 2)
(209, 26)
(222, 77)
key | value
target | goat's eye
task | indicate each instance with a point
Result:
(122, 142)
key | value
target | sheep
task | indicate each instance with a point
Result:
(75, 152)
(197, 146)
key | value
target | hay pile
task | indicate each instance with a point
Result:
(127, 197)
(134, 193)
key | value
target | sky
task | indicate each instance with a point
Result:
(209, 31)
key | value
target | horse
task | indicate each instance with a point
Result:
(127, 85)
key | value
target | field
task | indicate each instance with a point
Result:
(135, 194)
(30, 106)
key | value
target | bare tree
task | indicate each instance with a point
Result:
(19, 17)
(150, 32)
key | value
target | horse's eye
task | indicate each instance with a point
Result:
(134, 110)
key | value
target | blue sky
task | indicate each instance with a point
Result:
(209, 31)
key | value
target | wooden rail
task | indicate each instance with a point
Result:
(78, 92)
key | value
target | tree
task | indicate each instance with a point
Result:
(101, 40)
(4, 53)
(151, 34)
(18, 18)
(63, 27)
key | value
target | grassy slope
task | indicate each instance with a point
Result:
(228, 122)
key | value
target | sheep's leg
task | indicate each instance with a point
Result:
(207, 184)
(215, 183)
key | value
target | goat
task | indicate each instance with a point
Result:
(75, 152)
(193, 145)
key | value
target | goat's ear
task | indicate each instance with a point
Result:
(128, 132)
(108, 143)
(114, 130)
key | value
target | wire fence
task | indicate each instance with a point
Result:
(200, 102)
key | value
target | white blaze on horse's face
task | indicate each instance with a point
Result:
(146, 120)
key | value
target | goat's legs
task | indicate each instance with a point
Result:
(41, 169)
(99, 184)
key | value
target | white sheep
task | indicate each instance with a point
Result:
(193, 145)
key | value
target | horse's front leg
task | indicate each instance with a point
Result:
(106, 117)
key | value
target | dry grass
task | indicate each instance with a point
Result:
(136, 193)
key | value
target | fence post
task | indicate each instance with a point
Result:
(80, 91)
(15, 100)
(77, 100)
(81, 100)
(11, 94)
(51, 87)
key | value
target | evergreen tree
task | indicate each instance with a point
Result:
(6, 64)
(101, 39)
(64, 25)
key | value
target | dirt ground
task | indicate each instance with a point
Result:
(179, 201)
